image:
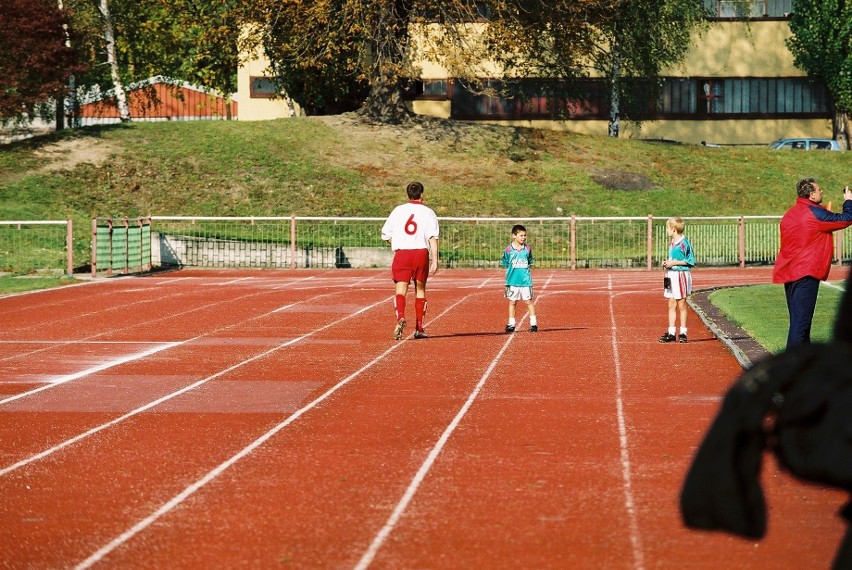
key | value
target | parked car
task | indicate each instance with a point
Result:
(806, 144)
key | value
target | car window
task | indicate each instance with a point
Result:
(821, 145)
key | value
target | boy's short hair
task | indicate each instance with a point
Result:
(676, 224)
(518, 228)
(414, 190)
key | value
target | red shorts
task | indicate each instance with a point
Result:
(408, 263)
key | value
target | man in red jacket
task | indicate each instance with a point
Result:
(806, 253)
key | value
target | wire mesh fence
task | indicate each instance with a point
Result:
(33, 246)
(565, 242)
(134, 245)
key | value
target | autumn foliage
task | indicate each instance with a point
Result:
(35, 62)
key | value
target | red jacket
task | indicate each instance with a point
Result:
(806, 241)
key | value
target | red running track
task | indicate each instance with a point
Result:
(268, 419)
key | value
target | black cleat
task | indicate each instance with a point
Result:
(510, 328)
(668, 338)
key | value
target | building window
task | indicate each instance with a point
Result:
(749, 8)
(756, 96)
(711, 97)
(529, 99)
(263, 88)
(435, 88)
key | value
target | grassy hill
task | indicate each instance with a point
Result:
(340, 166)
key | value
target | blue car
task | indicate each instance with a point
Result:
(806, 144)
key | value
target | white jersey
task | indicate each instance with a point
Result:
(410, 226)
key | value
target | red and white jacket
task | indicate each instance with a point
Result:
(806, 240)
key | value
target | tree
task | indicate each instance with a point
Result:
(35, 62)
(376, 44)
(821, 45)
(128, 41)
(627, 43)
(193, 41)
(112, 60)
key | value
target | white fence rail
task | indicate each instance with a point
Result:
(564, 242)
(574, 242)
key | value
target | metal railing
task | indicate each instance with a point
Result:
(28, 246)
(564, 242)
(574, 242)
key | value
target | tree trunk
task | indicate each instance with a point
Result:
(615, 97)
(66, 103)
(112, 61)
(840, 127)
(384, 104)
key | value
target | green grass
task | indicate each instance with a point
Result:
(17, 284)
(761, 311)
(316, 166)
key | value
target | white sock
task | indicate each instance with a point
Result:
(672, 330)
(511, 322)
(682, 330)
(533, 322)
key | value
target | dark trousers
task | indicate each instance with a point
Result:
(801, 302)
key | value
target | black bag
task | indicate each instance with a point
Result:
(667, 283)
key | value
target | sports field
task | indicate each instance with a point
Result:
(267, 419)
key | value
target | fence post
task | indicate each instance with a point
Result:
(649, 244)
(292, 241)
(150, 264)
(94, 247)
(838, 247)
(109, 265)
(741, 241)
(573, 248)
(69, 245)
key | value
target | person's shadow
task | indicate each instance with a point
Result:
(503, 333)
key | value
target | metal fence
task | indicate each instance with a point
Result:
(31, 246)
(564, 242)
(134, 245)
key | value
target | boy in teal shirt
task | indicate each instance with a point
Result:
(517, 258)
(678, 280)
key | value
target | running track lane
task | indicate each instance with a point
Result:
(542, 476)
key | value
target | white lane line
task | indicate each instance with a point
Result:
(67, 342)
(92, 370)
(289, 283)
(211, 475)
(392, 521)
(629, 502)
(159, 319)
(363, 280)
(834, 285)
(231, 282)
(176, 393)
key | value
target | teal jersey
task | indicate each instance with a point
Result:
(682, 251)
(518, 262)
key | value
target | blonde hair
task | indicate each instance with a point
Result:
(676, 224)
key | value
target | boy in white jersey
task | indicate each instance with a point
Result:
(517, 258)
(412, 230)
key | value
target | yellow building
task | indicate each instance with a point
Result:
(738, 85)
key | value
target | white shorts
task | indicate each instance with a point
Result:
(518, 293)
(681, 285)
